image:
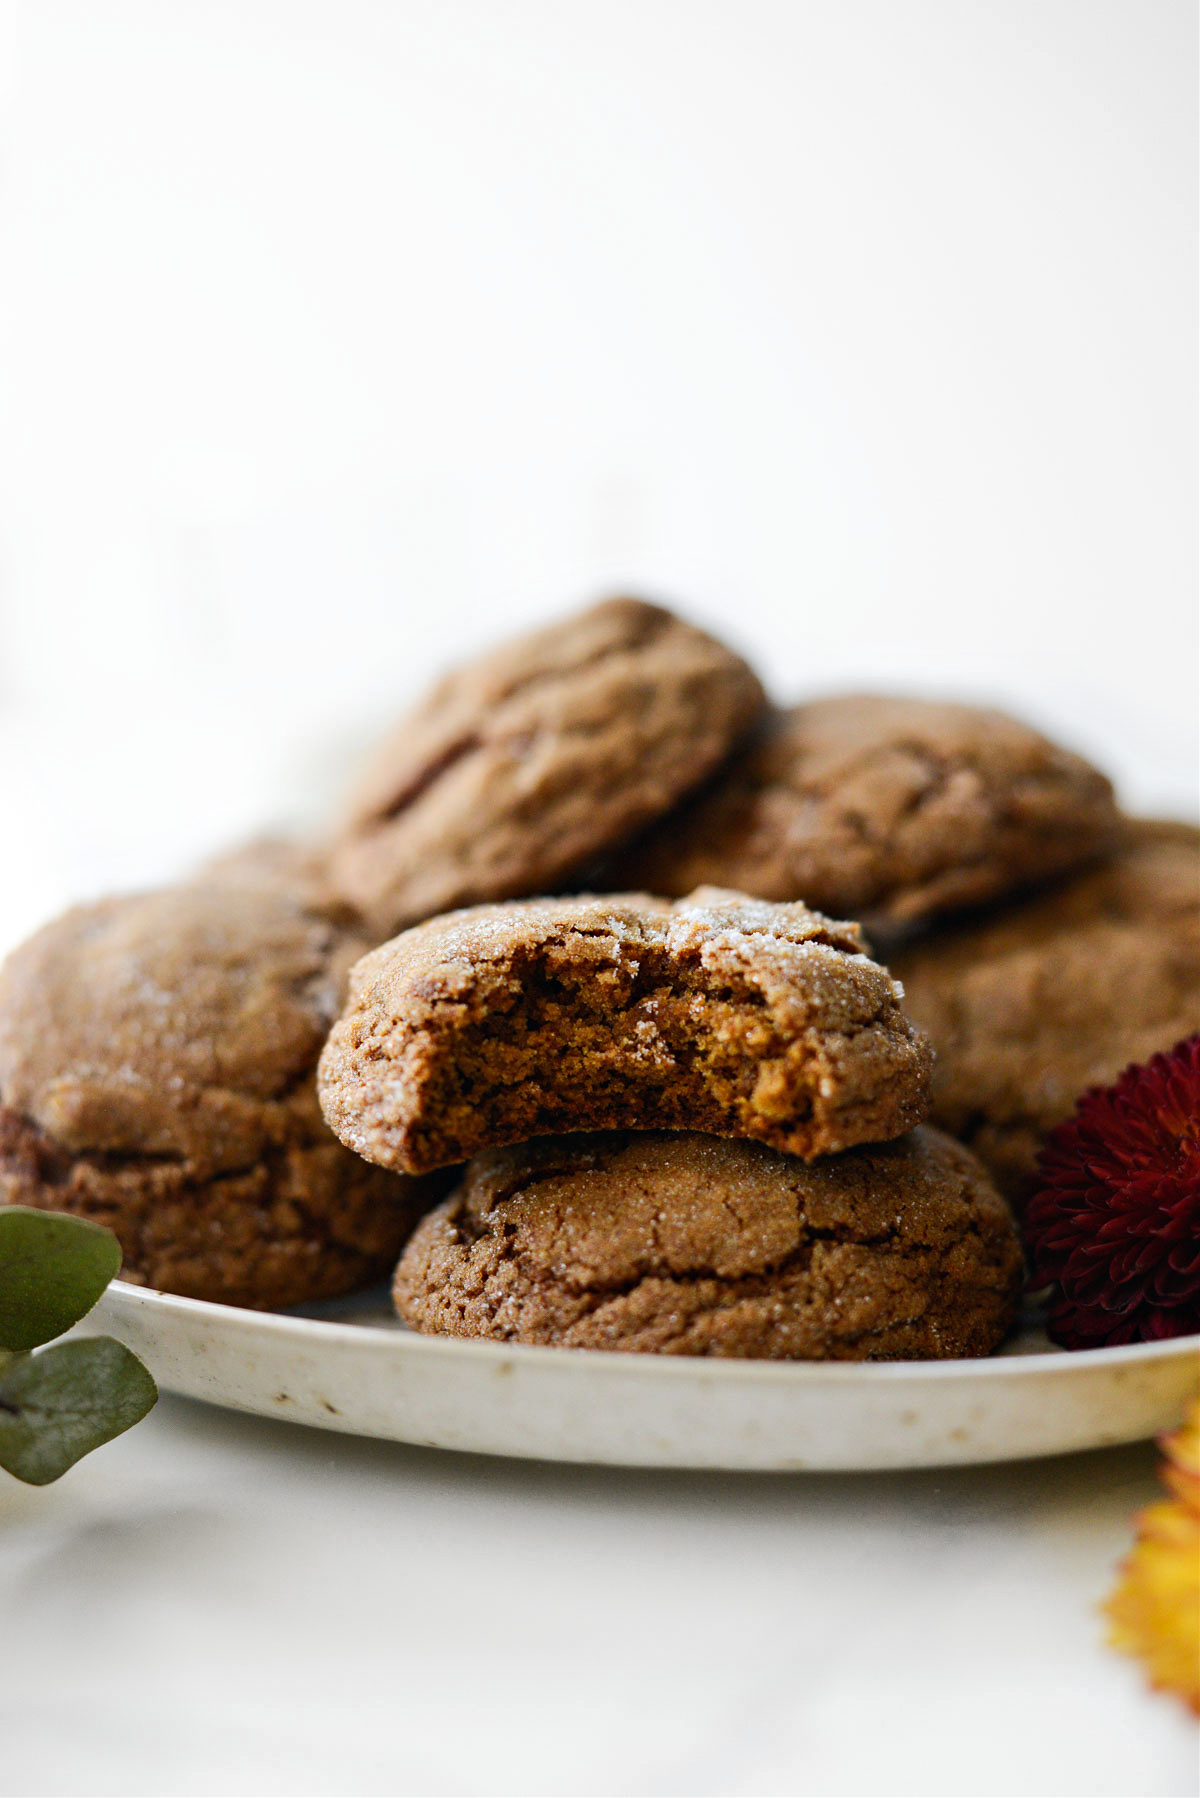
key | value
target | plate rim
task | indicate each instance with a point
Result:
(644, 1366)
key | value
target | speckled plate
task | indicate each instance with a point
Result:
(352, 1367)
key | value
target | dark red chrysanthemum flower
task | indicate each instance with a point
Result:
(1115, 1223)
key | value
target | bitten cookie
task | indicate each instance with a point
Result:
(157, 1055)
(718, 1013)
(1029, 1006)
(522, 766)
(690, 1245)
(883, 807)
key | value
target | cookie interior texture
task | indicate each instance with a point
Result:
(887, 807)
(157, 1062)
(520, 767)
(693, 1245)
(719, 1013)
(1029, 1006)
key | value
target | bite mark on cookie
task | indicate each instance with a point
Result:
(718, 1013)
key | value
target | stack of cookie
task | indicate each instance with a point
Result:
(690, 1130)
(691, 1120)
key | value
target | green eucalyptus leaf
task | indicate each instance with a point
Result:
(61, 1404)
(53, 1268)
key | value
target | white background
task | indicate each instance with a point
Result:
(340, 337)
(344, 336)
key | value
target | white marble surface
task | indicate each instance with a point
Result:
(222, 1605)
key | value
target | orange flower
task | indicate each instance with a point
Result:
(1182, 1469)
(1155, 1611)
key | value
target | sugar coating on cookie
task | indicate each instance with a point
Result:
(1030, 1006)
(523, 765)
(718, 1013)
(157, 1057)
(866, 805)
(694, 1245)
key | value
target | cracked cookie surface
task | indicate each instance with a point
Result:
(1029, 1006)
(520, 767)
(694, 1245)
(891, 808)
(717, 1013)
(157, 1057)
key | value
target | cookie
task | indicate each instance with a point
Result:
(891, 808)
(1030, 1006)
(691, 1245)
(286, 866)
(157, 1056)
(519, 768)
(718, 1013)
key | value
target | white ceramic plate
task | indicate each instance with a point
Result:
(352, 1367)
